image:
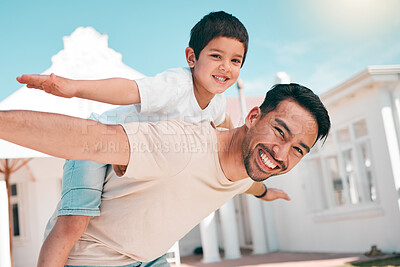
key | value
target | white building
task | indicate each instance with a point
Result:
(345, 195)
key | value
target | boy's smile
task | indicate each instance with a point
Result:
(216, 69)
(221, 79)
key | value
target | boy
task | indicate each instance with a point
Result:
(216, 52)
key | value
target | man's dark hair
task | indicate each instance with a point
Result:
(305, 98)
(217, 24)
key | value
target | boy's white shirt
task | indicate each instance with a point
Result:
(168, 95)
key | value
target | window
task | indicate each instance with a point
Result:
(336, 180)
(348, 168)
(16, 211)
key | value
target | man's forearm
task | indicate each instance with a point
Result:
(64, 136)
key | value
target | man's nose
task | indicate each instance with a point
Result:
(281, 151)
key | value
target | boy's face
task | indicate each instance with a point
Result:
(218, 65)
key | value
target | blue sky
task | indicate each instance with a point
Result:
(319, 43)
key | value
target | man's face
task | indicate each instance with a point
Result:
(218, 65)
(275, 143)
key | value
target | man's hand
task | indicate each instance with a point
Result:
(274, 193)
(51, 84)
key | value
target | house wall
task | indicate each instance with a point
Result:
(305, 225)
(38, 201)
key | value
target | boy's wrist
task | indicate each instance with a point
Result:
(73, 88)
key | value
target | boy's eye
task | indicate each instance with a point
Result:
(236, 61)
(216, 56)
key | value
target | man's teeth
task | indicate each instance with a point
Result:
(220, 78)
(267, 161)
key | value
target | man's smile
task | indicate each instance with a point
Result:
(267, 162)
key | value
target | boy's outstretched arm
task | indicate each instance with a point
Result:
(117, 91)
(65, 137)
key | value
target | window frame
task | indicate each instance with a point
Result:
(365, 207)
(19, 200)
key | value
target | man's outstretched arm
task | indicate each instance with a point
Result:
(258, 189)
(65, 137)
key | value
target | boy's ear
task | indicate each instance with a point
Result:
(190, 57)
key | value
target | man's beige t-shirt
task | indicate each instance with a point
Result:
(173, 181)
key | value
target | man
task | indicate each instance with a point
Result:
(173, 174)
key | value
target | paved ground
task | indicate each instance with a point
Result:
(280, 259)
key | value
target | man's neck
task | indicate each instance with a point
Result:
(230, 153)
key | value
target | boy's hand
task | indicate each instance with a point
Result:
(51, 84)
(274, 193)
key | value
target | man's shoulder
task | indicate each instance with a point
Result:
(174, 126)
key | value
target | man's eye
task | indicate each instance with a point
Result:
(299, 150)
(280, 132)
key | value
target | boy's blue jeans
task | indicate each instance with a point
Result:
(82, 186)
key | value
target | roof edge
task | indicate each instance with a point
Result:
(359, 79)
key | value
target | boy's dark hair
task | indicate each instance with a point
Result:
(214, 25)
(305, 98)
